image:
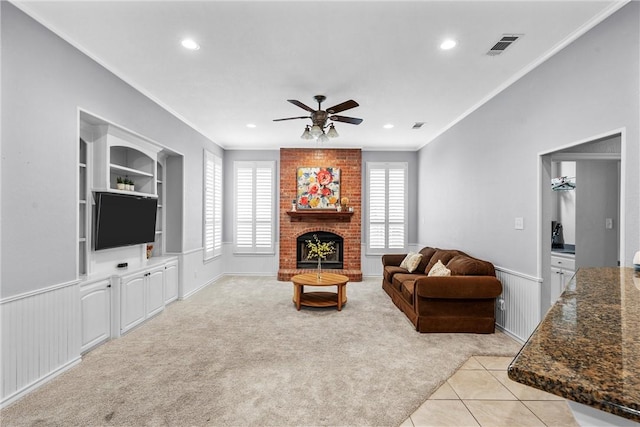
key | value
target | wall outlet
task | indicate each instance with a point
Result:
(519, 223)
(608, 223)
(501, 304)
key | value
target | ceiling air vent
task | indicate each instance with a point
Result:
(418, 125)
(502, 44)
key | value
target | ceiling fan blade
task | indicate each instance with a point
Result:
(344, 119)
(301, 105)
(292, 118)
(346, 105)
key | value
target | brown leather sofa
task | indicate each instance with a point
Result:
(461, 302)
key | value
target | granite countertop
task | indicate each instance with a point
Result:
(587, 348)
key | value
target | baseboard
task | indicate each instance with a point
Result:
(38, 383)
(509, 334)
(199, 288)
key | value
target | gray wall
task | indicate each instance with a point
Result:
(44, 82)
(480, 175)
(596, 200)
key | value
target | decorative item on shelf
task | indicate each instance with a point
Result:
(344, 202)
(319, 250)
(119, 183)
(131, 186)
(338, 207)
(149, 251)
(293, 205)
(127, 183)
(350, 208)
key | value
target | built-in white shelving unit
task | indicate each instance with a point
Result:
(158, 248)
(84, 208)
(119, 154)
(114, 300)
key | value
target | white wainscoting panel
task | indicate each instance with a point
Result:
(40, 337)
(519, 314)
(371, 265)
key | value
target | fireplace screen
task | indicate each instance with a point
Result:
(332, 261)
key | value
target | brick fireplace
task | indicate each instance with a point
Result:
(349, 161)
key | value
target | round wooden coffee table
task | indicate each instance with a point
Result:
(319, 299)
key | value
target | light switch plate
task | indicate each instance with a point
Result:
(519, 223)
(608, 223)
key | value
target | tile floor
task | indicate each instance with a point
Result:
(481, 394)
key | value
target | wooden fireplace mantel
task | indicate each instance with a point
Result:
(320, 215)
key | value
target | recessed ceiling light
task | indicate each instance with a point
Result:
(388, 126)
(448, 44)
(190, 44)
(251, 125)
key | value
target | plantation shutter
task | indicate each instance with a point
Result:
(255, 200)
(264, 200)
(387, 210)
(212, 205)
(377, 209)
(244, 207)
(396, 207)
(217, 209)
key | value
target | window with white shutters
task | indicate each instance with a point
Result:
(212, 205)
(254, 207)
(387, 207)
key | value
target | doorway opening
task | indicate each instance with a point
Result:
(581, 224)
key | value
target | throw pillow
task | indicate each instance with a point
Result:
(411, 261)
(405, 262)
(439, 270)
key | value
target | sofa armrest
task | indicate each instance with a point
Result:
(458, 287)
(392, 259)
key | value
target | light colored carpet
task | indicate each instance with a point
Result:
(238, 353)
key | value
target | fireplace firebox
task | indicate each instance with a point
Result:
(332, 261)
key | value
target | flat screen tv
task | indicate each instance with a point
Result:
(123, 220)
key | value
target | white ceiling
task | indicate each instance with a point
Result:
(256, 55)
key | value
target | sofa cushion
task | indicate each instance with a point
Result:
(390, 270)
(462, 265)
(443, 255)
(427, 253)
(400, 278)
(411, 261)
(407, 289)
(439, 270)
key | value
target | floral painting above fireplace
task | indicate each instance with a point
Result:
(318, 188)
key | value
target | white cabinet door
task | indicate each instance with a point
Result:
(567, 275)
(560, 278)
(95, 305)
(170, 282)
(155, 292)
(133, 301)
(556, 284)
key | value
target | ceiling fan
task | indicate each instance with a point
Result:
(319, 118)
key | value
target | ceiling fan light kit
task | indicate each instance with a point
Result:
(306, 134)
(316, 131)
(319, 119)
(332, 132)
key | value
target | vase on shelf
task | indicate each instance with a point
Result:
(319, 271)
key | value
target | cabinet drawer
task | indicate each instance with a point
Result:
(561, 262)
